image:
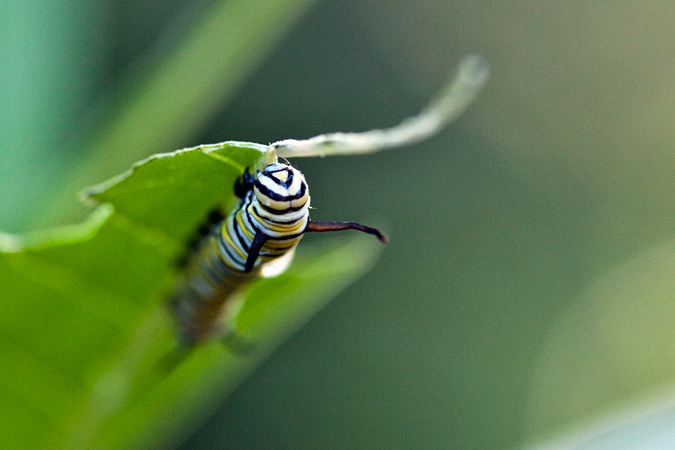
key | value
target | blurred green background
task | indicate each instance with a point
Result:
(528, 287)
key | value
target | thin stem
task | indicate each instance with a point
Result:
(450, 103)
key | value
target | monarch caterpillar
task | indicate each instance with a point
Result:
(273, 211)
(269, 221)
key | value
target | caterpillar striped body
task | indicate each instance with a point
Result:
(273, 211)
(269, 221)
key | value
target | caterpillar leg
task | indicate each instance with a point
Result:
(173, 359)
(230, 339)
(237, 344)
(227, 332)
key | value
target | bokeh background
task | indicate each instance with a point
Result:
(528, 290)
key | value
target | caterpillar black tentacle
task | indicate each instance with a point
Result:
(269, 221)
(243, 184)
(215, 216)
(322, 227)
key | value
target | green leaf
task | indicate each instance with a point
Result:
(612, 346)
(170, 101)
(86, 345)
(202, 178)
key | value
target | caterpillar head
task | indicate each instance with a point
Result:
(281, 189)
